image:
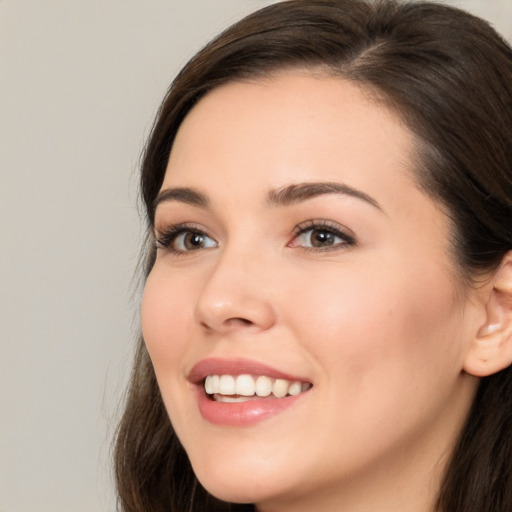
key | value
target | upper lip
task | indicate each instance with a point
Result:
(218, 366)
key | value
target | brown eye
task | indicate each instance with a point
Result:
(192, 241)
(321, 238)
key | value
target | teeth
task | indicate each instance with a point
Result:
(228, 388)
(230, 399)
(211, 384)
(244, 385)
(227, 385)
(280, 388)
(263, 386)
(295, 388)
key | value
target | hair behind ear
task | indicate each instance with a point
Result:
(479, 476)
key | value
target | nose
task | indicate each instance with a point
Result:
(235, 296)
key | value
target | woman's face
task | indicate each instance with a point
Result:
(295, 250)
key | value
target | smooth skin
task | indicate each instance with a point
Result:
(366, 302)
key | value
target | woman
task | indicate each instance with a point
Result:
(327, 316)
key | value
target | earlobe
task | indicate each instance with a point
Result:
(491, 349)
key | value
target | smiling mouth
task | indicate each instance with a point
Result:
(242, 388)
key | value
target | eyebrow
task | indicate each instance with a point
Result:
(299, 192)
(182, 195)
(285, 196)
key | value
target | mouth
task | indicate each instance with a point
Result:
(242, 388)
(242, 392)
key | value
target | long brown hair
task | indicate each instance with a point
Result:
(448, 75)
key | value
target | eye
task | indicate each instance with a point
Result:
(182, 239)
(321, 236)
(192, 241)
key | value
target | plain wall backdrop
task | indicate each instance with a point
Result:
(80, 82)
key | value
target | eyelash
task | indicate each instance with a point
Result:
(327, 227)
(165, 238)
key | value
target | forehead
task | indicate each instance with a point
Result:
(288, 127)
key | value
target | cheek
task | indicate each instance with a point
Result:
(166, 321)
(164, 312)
(392, 322)
(387, 355)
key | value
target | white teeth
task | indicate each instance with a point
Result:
(245, 385)
(280, 388)
(228, 388)
(227, 385)
(208, 385)
(230, 399)
(263, 386)
(295, 388)
(211, 384)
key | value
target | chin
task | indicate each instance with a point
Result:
(241, 482)
(241, 489)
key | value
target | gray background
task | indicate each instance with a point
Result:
(80, 81)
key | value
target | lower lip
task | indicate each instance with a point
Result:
(239, 414)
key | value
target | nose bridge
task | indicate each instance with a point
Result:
(235, 293)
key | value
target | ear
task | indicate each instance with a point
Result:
(491, 350)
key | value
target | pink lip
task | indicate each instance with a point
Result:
(240, 413)
(217, 366)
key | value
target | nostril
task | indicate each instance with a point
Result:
(240, 321)
(230, 322)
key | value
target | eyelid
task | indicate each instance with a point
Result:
(165, 236)
(336, 229)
